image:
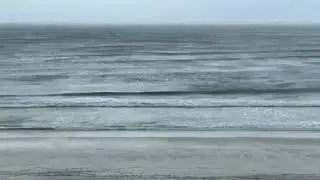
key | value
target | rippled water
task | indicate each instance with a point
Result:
(159, 77)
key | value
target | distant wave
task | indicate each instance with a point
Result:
(252, 56)
(179, 93)
(163, 128)
(159, 106)
(233, 52)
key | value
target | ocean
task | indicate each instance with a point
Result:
(156, 80)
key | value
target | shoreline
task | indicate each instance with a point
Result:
(298, 134)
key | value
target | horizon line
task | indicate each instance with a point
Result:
(158, 24)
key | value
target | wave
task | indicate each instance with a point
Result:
(27, 129)
(165, 128)
(235, 53)
(252, 56)
(178, 93)
(160, 106)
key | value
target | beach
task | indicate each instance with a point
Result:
(159, 155)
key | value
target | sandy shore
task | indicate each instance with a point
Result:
(159, 155)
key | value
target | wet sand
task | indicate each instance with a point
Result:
(159, 155)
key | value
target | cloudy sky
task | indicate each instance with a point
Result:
(160, 11)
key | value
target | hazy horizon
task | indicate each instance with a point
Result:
(155, 24)
(160, 12)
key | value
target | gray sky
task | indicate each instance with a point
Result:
(160, 11)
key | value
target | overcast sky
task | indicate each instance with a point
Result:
(160, 11)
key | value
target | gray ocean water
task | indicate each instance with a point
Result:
(159, 77)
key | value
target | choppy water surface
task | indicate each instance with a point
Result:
(159, 77)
